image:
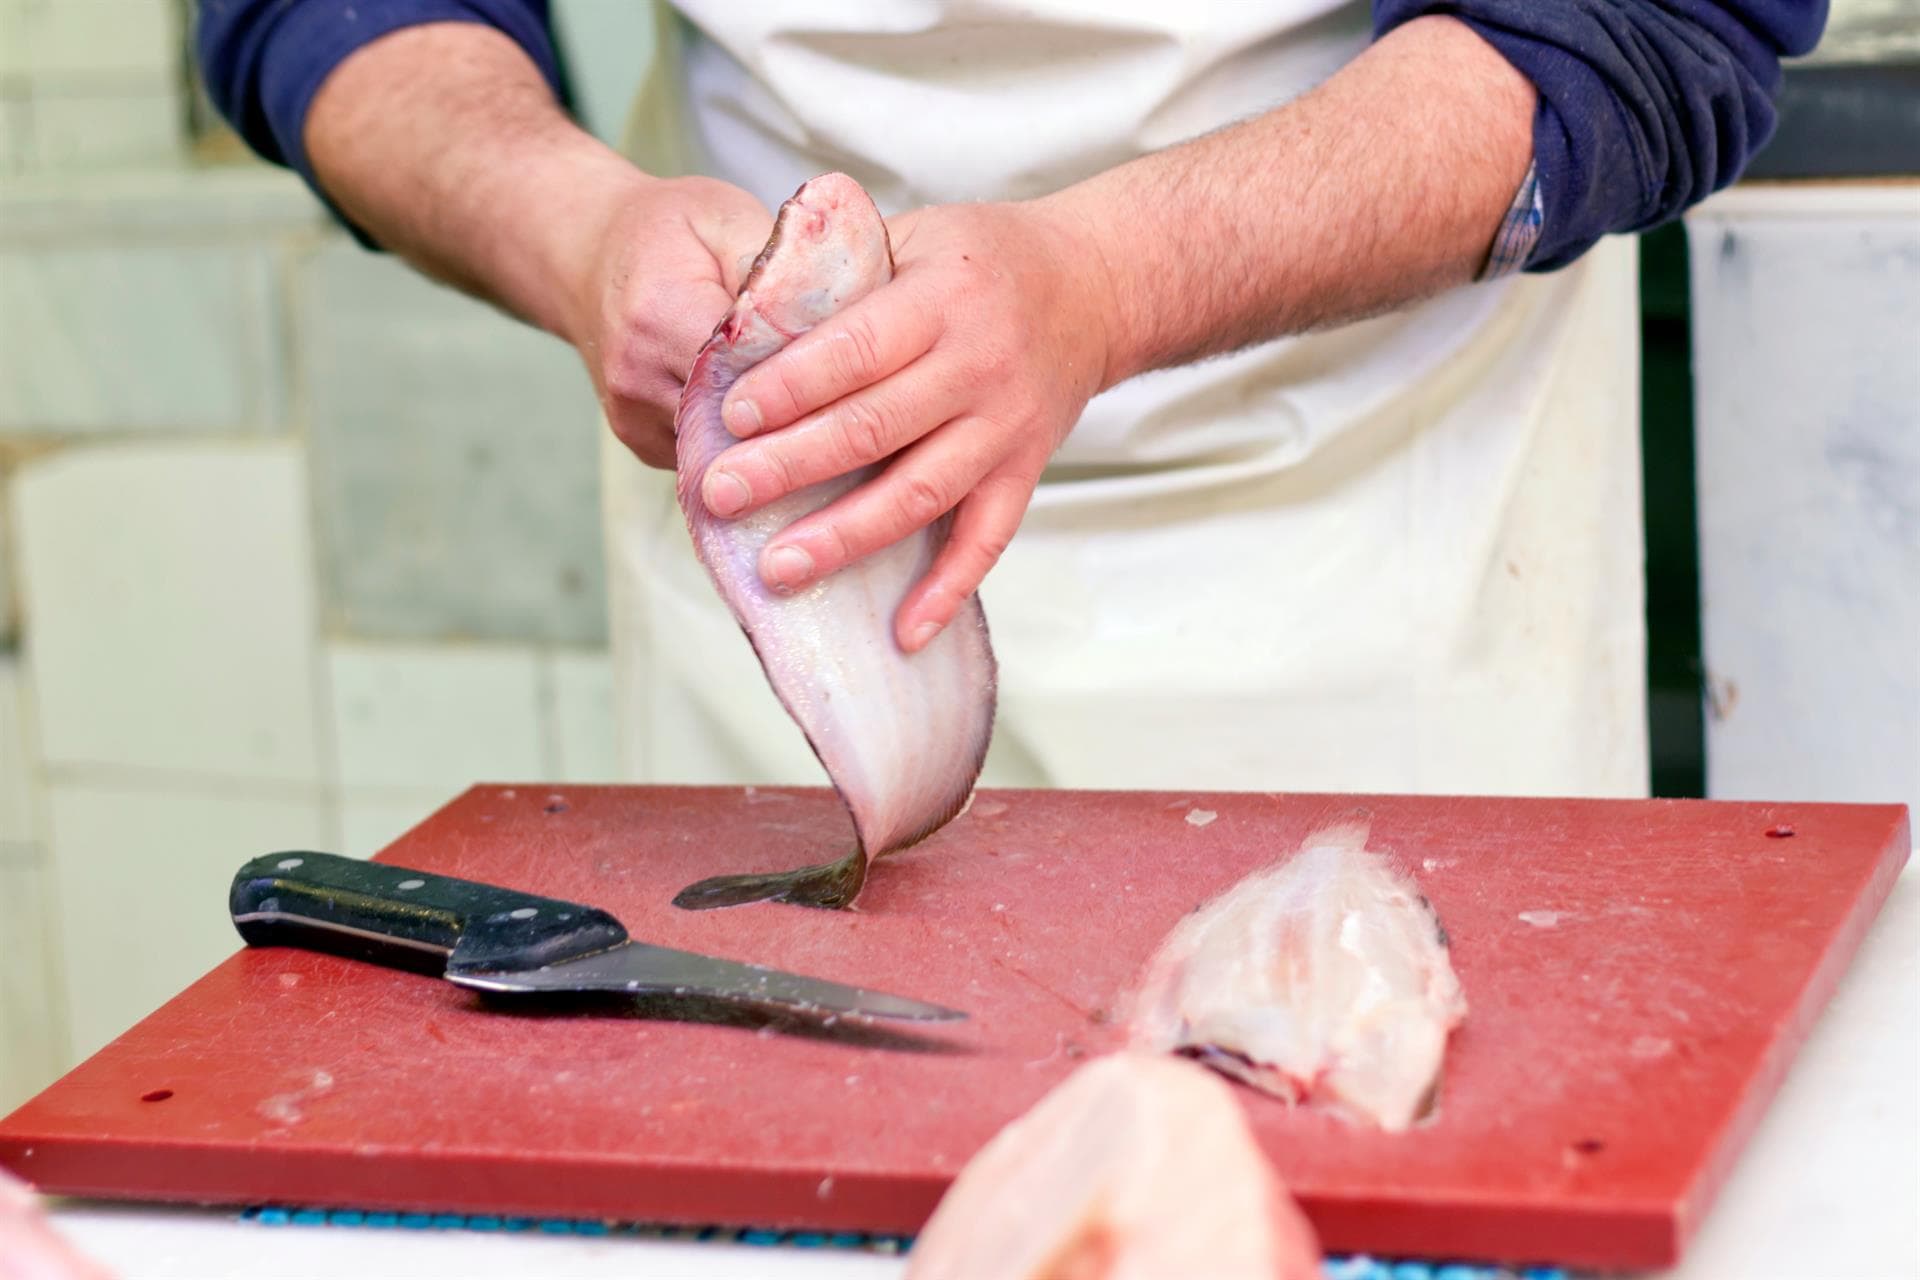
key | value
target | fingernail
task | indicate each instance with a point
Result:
(921, 635)
(742, 417)
(726, 493)
(788, 566)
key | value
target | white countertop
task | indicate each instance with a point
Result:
(1829, 1188)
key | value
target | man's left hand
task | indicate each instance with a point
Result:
(967, 370)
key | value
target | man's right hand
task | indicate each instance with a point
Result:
(655, 280)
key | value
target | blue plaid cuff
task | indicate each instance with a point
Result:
(1519, 230)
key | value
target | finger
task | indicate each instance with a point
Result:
(873, 339)
(861, 429)
(982, 528)
(919, 487)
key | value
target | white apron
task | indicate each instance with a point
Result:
(1402, 556)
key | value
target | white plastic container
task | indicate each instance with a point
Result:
(1806, 341)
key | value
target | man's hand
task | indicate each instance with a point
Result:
(659, 275)
(1383, 186)
(967, 371)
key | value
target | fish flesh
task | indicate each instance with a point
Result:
(902, 736)
(1326, 979)
(30, 1249)
(1137, 1167)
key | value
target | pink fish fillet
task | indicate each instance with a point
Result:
(1138, 1167)
(1325, 979)
(902, 736)
(29, 1247)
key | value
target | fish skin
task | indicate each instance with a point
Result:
(902, 736)
(1137, 1167)
(1325, 979)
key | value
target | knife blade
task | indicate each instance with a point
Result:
(502, 940)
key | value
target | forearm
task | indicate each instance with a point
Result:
(1383, 186)
(446, 144)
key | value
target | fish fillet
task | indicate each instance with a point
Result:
(1325, 979)
(1138, 1167)
(29, 1247)
(902, 736)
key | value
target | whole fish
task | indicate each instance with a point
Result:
(902, 735)
(1138, 1167)
(1326, 979)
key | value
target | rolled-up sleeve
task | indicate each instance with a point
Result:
(263, 60)
(1645, 108)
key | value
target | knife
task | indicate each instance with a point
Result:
(494, 939)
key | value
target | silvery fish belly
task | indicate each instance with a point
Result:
(902, 736)
(1137, 1167)
(1325, 980)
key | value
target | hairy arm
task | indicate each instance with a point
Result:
(1381, 187)
(445, 143)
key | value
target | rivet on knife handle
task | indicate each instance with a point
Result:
(408, 919)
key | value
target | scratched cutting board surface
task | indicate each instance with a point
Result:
(1639, 975)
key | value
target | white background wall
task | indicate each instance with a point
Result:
(293, 545)
(1806, 321)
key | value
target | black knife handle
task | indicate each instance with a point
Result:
(408, 919)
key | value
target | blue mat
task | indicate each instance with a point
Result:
(1358, 1267)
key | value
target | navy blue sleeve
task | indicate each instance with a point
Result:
(1646, 106)
(263, 60)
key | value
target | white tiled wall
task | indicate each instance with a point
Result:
(144, 870)
(85, 83)
(454, 460)
(583, 731)
(608, 46)
(188, 392)
(433, 718)
(416, 724)
(16, 133)
(373, 818)
(32, 1040)
(1806, 351)
(96, 338)
(7, 620)
(170, 592)
(33, 1048)
(190, 716)
(90, 130)
(19, 815)
(88, 41)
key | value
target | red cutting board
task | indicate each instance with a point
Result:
(1639, 973)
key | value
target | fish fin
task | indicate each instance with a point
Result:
(830, 884)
